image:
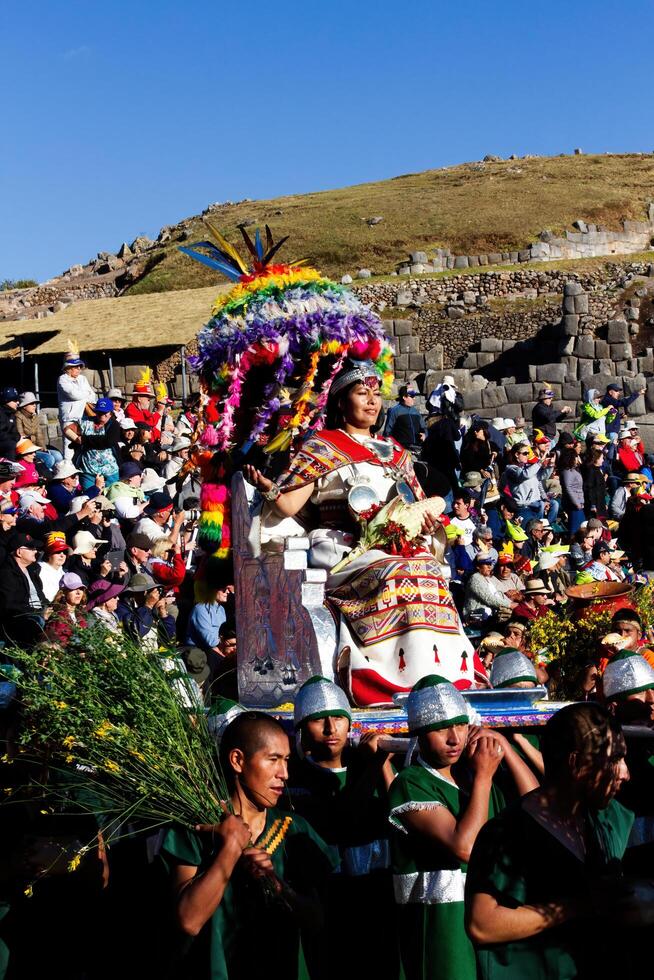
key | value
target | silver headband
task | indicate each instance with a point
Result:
(362, 371)
(435, 706)
(626, 676)
(218, 723)
(320, 697)
(510, 668)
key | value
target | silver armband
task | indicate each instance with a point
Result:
(271, 494)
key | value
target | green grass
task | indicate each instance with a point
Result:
(472, 210)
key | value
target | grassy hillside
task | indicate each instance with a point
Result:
(469, 208)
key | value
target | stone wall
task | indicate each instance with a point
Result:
(587, 241)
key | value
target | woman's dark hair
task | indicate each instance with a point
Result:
(248, 733)
(585, 729)
(567, 459)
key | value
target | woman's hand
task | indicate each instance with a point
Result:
(256, 478)
(429, 524)
(105, 568)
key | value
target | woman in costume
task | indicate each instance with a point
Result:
(397, 618)
(283, 349)
(543, 872)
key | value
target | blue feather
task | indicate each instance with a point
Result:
(258, 244)
(220, 266)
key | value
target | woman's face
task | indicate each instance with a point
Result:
(74, 597)
(361, 406)
(504, 571)
(128, 434)
(601, 777)
(111, 604)
(57, 560)
(8, 520)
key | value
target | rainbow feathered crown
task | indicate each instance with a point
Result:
(281, 327)
(266, 360)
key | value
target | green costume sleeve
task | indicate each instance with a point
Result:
(181, 846)
(414, 790)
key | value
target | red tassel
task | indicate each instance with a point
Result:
(436, 657)
(464, 662)
(402, 660)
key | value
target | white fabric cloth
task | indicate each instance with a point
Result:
(50, 579)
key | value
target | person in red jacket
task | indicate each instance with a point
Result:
(167, 564)
(631, 451)
(139, 408)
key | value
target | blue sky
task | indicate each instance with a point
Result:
(119, 118)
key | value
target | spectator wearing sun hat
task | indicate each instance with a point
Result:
(74, 393)
(26, 452)
(84, 558)
(64, 486)
(51, 567)
(102, 604)
(33, 518)
(118, 399)
(31, 425)
(139, 408)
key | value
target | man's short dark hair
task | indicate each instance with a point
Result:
(463, 495)
(510, 505)
(227, 631)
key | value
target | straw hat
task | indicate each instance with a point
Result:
(536, 586)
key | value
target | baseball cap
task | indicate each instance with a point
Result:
(9, 469)
(127, 423)
(138, 540)
(103, 405)
(614, 386)
(9, 394)
(546, 393)
(115, 393)
(20, 540)
(31, 497)
(71, 581)
(161, 500)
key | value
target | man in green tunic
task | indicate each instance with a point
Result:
(250, 884)
(437, 807)
(627, 685)
(341, 791)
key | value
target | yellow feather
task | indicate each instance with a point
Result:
(280, 442)
(225, 246)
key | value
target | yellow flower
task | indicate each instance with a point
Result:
(69, 757)
(138, 755)
(29, 891)
(75, 863)
(60, 704)
(69, 741)
(103, 730)
(111, 766)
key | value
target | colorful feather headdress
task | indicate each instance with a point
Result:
(267, 357)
